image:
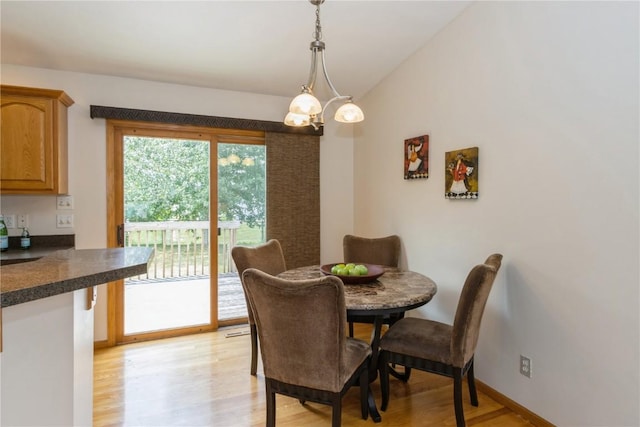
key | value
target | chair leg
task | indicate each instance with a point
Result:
(473, 395)
(383, 367)
(254, 348)
(351, 329)
(364, 393)
(271, 405)
(336, 418)
(404, 377)
(407, 374)
(457, 397)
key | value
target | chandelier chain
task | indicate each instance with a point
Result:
(318, 33)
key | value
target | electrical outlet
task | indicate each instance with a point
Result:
(64, 221)
(64, 202)
(10, 221)
(525, 366)
(23, 220)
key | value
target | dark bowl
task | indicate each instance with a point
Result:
(375, 271)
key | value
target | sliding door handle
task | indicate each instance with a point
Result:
(120, 235)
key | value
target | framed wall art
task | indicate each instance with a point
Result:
(416, 157)
(461, 174)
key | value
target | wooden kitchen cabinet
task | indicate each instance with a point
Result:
(33, 144)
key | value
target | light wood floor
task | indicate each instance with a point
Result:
(204, 380)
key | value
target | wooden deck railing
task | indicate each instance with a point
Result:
(182, 248)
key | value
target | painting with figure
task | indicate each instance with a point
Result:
(461, 174)
(416, 157)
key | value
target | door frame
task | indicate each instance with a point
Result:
(116, 130)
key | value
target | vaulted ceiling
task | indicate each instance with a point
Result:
(254, 46)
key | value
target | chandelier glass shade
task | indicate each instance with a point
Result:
(349, 113)
(305, 109)
(305, 103)
(293, 119)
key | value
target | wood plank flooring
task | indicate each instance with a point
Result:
(204, 380)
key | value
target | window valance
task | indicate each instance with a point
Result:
(118, 113)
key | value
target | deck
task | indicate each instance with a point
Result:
(155, 304)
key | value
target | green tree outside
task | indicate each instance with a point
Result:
(168, 180)
(241, 184)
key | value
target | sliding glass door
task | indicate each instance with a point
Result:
(166, 206)
(191, 194)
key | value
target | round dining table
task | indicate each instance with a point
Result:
(395, 291)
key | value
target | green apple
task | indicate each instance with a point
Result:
(354, 272)
(337, 268)
(362, 269)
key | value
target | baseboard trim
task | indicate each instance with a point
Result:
(97, 345)
(534, 419)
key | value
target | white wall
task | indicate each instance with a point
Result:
(87, 152)
(548, 91)
(336, 189)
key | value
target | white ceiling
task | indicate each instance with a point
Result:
(255, 46)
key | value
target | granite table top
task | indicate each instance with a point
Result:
(69, 270)
(395, 291)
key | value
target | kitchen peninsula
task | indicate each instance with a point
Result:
(47, 333)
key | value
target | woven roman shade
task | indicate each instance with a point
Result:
(293, 196)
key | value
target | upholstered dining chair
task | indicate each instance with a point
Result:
(305, 351)
(381, 251)
(441, 348)
(269, 258)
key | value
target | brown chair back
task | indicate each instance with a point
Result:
(471, 304)
(301, 326)
(380, 250)
(267, 257)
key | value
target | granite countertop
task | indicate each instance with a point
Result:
(69, 270)
(17, 256)
(40, 246)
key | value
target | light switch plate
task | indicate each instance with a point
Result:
(64, 202)
(64, 221)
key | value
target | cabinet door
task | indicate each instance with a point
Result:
(28, 146)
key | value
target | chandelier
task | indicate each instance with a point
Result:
(305, 109)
